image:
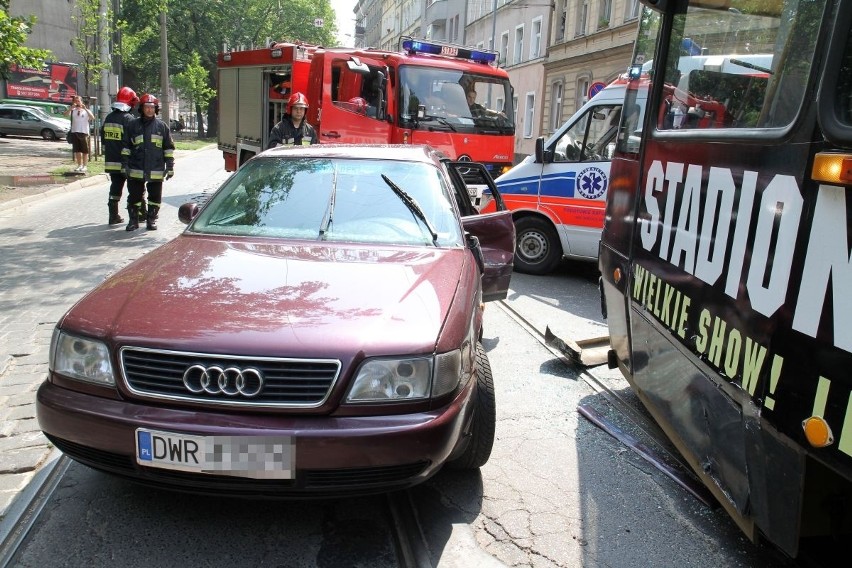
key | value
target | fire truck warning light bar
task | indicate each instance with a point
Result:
(413, 46)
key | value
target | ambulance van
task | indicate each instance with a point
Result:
(558, 194)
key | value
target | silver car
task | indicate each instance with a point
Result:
(30, 121)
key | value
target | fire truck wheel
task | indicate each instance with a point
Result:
(537, 249)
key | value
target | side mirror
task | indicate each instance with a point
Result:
(473, 245)
(542, 156)
(187, 212)
(634, 72)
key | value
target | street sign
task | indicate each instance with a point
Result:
(596, 88)
(318, 22)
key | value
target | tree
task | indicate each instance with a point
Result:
(89, 26)
(206, 25)
(13, 34)
(194, 83)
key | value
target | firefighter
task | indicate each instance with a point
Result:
(148, 158)
(294, 130)
(112, 139)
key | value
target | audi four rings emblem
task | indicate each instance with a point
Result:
(230, 381)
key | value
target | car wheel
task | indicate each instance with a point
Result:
(484, 417)
(537, 249)
(49, 134)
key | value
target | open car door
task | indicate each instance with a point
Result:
(495, 231)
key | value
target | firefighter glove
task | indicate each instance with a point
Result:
(169, 174)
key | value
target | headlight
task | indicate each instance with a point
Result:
(81, 359)
(392, 380)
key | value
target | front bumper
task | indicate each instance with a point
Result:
(333, 455)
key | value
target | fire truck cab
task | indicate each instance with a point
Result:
(449, 97)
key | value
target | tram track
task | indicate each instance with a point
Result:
(667, 460)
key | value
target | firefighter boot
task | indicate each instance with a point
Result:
(151, 218)
(133, 217)
(114, 217)
(143, 210)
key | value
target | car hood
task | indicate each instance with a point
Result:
(256, 298)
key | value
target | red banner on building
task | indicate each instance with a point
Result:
(56, 82)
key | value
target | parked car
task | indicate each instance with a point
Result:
(30, 121)
(316, 329)
(51, 108)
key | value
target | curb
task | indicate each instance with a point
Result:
(74, 185)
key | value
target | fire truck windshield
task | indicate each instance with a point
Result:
(454, 101)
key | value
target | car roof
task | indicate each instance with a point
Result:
(386, 152)
(20, 106)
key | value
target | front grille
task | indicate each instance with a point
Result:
(293, 383)
(382, 475)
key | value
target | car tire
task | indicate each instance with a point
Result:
(49, 134)
(537, 249)
(484, 422)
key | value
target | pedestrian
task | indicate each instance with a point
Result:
(148, 158)
(293, 129)
(81, 118)
(113, 131)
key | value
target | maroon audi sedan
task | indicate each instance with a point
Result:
(315, 330)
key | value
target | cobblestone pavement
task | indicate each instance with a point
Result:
(52, 251)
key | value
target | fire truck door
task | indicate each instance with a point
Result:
(354, 101)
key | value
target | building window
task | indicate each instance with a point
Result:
(582, 91)
(515, 105)
(582, 16)
(504, 48)
(517, 55)
(535, 39)
(529, 115)
(555, 106)
(633, 8)
(604, 14)
(563, 15)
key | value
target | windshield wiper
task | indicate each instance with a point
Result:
(444, 122)
(327, 220)
(412, 206)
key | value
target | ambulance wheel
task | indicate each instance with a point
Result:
(537, 246)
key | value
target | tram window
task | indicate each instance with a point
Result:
(844, 86)
(753, 75)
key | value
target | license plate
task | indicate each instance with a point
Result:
(257, 457)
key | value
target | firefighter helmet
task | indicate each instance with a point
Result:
(359, 105)
(125, 100)
(147, 99)
(297, 99)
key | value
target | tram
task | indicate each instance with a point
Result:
(725, 262)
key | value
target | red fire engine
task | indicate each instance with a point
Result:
(418, 95)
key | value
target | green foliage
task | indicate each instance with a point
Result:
(194, 83)
(197, 30)
(203, 26)
(13, 34)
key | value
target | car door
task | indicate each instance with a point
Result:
(495, 231)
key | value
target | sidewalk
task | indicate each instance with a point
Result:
(44, 268)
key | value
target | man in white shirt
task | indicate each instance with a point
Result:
(81, 116)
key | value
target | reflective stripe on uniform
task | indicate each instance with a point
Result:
(112, 166)
(136, 174)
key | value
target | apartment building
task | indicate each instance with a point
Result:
(591, 42)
